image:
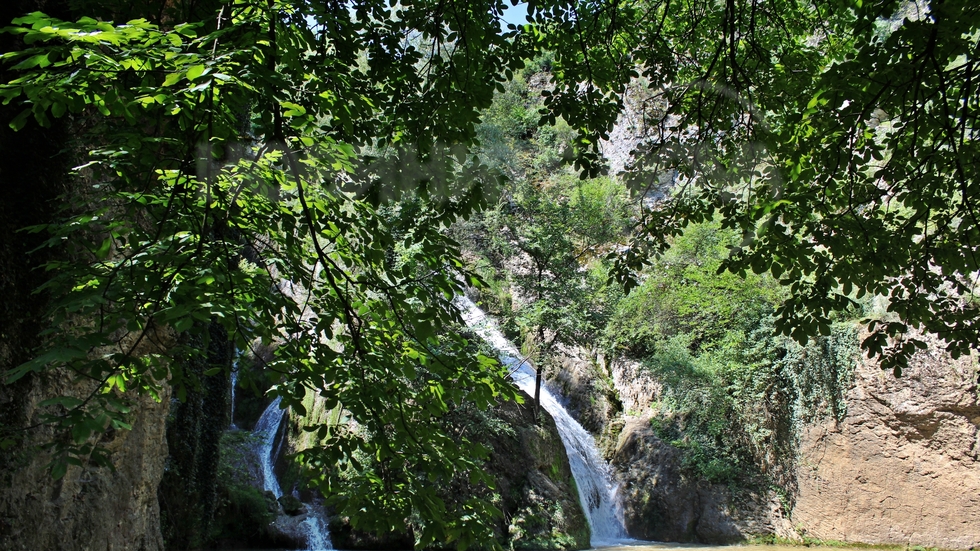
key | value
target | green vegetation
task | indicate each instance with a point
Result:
(807, 541)
(223, 171)
(735, 393)
(230, 151)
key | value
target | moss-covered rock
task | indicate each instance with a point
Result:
(537, 491)
(291, 505)
(534, 487)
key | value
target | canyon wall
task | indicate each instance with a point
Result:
(90, 507)
(899, 468)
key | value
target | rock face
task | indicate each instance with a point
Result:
(902, 466)
(590, 393)
(662, 504)
(539, 500)
(91, 507)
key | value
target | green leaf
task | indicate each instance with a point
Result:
(195, 71)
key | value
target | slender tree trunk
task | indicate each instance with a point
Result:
(537, 373)
(537, 394)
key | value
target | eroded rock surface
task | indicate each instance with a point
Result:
(91, 507)
(902, 466)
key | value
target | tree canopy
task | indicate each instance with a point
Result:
(231, 150)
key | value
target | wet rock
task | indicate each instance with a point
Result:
(292, 506)
(270, 501)
(287, 532)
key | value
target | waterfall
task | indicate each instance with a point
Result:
(234, 382)
(593, 476)
(265, 429)
(267, 449)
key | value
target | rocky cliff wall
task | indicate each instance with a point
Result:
(91, 507)
(662, 503)
(901, 467)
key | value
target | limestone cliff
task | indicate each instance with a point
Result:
(899, 468)
(91, 507)
(902, 466)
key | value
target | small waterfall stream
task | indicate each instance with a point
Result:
(267, 449)
(234, 383)
(593, 476)
(265, 429)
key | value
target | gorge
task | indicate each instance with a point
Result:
(735, 238)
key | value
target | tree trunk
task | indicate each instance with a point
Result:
(537, 393)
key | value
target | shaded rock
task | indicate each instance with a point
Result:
(91, 507)
(286, 532)
(662, 504)
(344, 536)
(534, 485)
(270, 501)
(588, 390)
(292, 506)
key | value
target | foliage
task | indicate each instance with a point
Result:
(735, 393)
(838, 138)
(240, 145)
(551, 233)
(223, 165)
(683, 293)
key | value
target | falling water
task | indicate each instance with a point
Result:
(265, 429)
(267, 449)
(234, 382)
(596, 489)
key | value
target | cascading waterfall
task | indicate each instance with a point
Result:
(265, 429)
(234, 383)
(593, 476)
(267, 449)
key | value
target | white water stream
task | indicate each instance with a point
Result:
(234, 383)
(597, 491)
(265, 430)
(267, 449)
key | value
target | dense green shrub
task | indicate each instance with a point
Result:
(735, 395)
(683, 294)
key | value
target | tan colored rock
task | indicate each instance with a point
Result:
(901, 468)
